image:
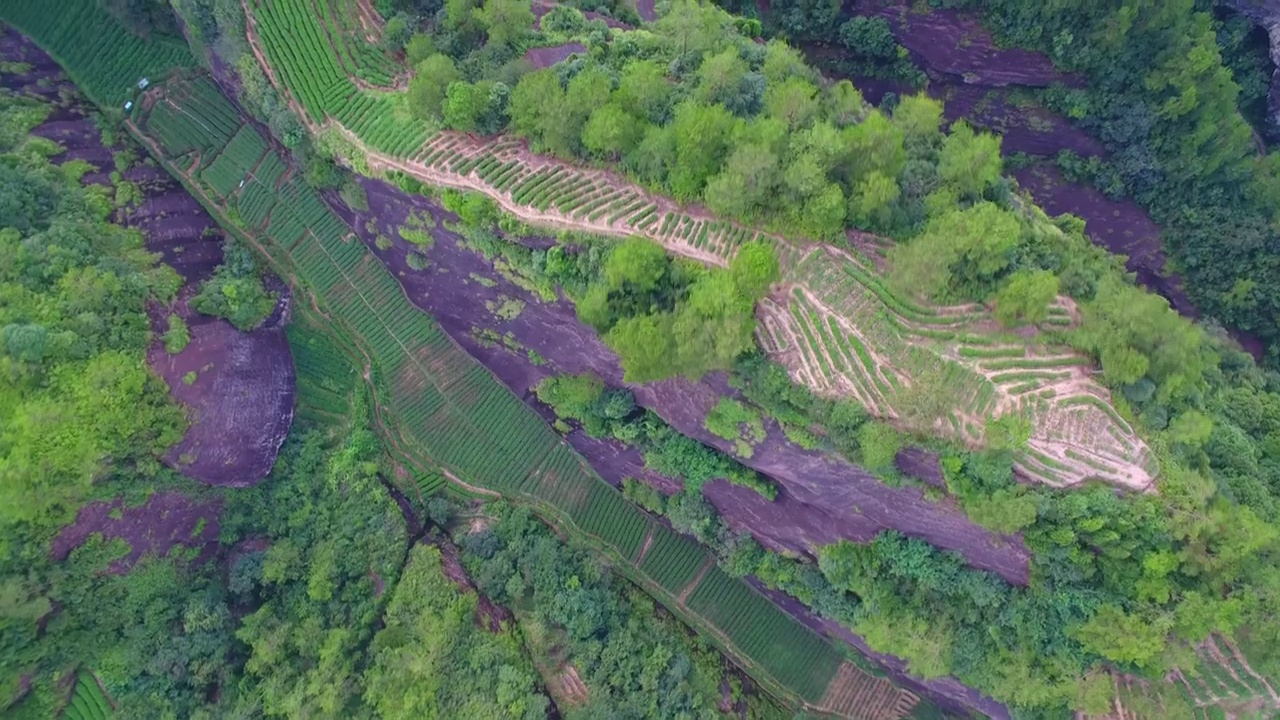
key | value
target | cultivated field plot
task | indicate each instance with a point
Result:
(106, 61)
(354, 38)
(87, 701)
(1219, 686)
(843, 332)
(1222, 684)
(463, 419)
(326, 377)
(855, 693)
(546, 190)
(321, 72)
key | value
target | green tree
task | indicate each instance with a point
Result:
(879, 443)
(612, 132)
(874, 145)
(430, 84)
(793, 101)
(1136, 334)
(970, 162)
(474, 107)
(1008, 432)
(1192, 428)
(636, 262)
(1125, 637)
(506, 22)
(419, 48)
(1025, 297)
(960, 253)
(871, 203)
(920, 119)
(720, 77)
(713, 326)
(746, 184)
(644, 91)
(537, 96)
(645, 346)
(754, 269)
(702, 135)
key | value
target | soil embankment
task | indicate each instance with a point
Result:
(240, 402)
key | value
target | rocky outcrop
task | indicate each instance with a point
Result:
(1265, 14)
(239, 399)
(237, 387)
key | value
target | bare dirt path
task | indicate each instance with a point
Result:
(697, 579)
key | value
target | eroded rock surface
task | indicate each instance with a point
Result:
(238, 387)
(165, 520)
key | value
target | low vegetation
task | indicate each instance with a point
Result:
(235, 292)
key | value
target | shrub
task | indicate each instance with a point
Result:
(177, 336)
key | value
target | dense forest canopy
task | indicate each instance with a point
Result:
(77, 399)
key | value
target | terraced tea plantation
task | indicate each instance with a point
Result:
(1222, 679)
(317, 69)
(542, 189)
(837, 327)
(445, 408)
(106, 61)
(1218, 685)
(87, 701)
(354, 36)
(842, 332)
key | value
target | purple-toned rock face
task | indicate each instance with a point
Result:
(165, 520)
(547, 56)
(240, 405)
(238, 387)
(950, 42)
